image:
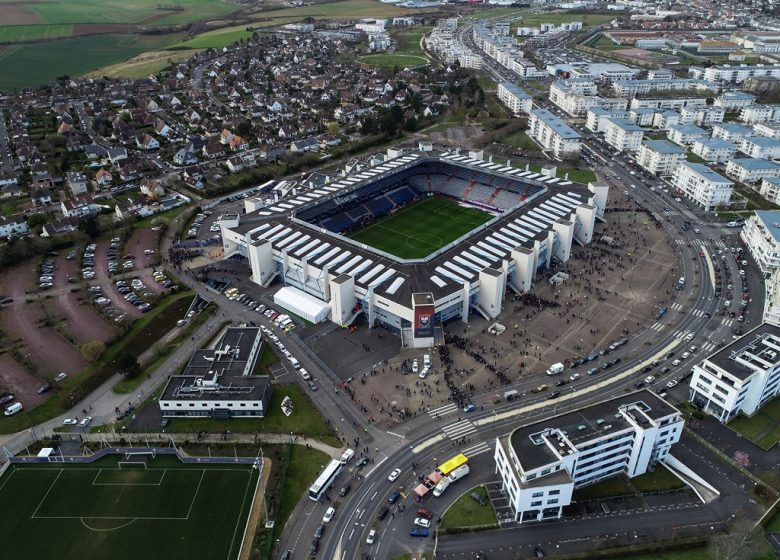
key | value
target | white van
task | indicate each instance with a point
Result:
(427, 360)
(346, 457)
(555, 369)
(441, 486)
(12, 409)
(459, 473)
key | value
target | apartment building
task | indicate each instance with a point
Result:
(760, 113)
(553, 134)
(740, 377)
(734, 100)
(666, 119)
(772, 299)
(761, 235)
(623, 135)
(770, 130)
(751, 170)
(631, 88)
(596, 119)
(731, 132)
(760, 147)
(685, 134)
(734, 74)
(515, 98)
(660, 157)
(642, 116)
(668, 103)
(770, 189)
(542, 463)
(702, 185)
(714, 149)
(701, 115)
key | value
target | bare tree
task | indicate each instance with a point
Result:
(741, 542)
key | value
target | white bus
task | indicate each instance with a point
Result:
(324, 481)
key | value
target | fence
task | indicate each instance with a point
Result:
(157, 450)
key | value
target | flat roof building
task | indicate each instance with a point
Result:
(542, 463)
(761, 235)
(219, 382)
(515, 98)
(554, 134)
(660, 157)
(702, 185)
(752, 170)
(740, 377)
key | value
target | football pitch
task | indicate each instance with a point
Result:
(417, 230)
(97, 511)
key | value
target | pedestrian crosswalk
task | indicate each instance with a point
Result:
(708, 346)
(657, 327)
(442, 410)
(700, 243)
(459, 429)
(478, 449)
(689, 214)
(676, 306)
(698, 312)
(680, 335)
(679, 241)
(720, 244)
(728, 322)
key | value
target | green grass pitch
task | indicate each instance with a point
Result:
(416, 231)
(98, 511)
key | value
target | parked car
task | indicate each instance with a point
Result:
(422, 522)
(418, 532)
(479, 498)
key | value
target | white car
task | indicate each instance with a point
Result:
(649, 380)
(415, 366)
(671, 383)
(70, 422)
(693, 349)
(689, 337)
(423, 373)
(685, 355)
(574, 377)
(394, 475)
(422, 522)
(676, 363)
(328, 515)
(371, 536)
(85, 421)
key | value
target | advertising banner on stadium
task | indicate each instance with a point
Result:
(423, 320)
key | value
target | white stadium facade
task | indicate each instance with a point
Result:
(298, 240)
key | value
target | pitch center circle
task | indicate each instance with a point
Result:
(424, 241)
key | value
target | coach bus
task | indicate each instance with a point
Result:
(324, 481)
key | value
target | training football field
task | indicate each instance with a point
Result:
(421, 228)
(97, 511)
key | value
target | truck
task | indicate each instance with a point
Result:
(555, 369)
(441, 486)
(459, 473)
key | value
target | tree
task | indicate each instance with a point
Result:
(37, 219)
(89, 225)
(92, 350)
(127, 365)
(741, 459)
(741, 542)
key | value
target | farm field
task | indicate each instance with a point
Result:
(144, 65)
(347, 9)
(216, 39)
(98, 510)
(30, 65)
(421, 228)
(390, 61)
(142, 12)
(11, 33)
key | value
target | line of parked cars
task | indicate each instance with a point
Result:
(88, 262)
(197, 223)
(46, 279)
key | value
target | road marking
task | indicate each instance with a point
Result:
(478, 449)
(459, 429)
(676, 306)
(657, 327)
(375, 468)
(396, 435)
(727, 322)
(442, 410)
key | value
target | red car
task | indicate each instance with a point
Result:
(427, 514)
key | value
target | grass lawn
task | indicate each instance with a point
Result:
(486, 83)
(465, 513)
(421, 228)
(267, 358)
(659, 480)
(693, 158)
(407, 40)
(587, 19)
(773, 525)
(520, 139)
(305, 419)
(763, 428)
(614, 486)
(583, 176)
(30, 65)
(10, 33)
(161, 218)
(390, 61)
(351, 9)
(169, 510)
(144, 65)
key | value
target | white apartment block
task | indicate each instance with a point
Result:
(734, 100)
(750, 170)
(761, 235)
(770, 190)
(731, 132)
(729, 74)
(631, 88)
(760, 113)
(685, 134)
(760, 147)
(714, 149)
(670, 103)
(642, 116)
(542, 463)
(666, 119)
(770, 130)
(596, 119)
(702, 185)
(660, 157)
(515, 98)
(741, 377)
(623, 135)
(553, 134)
(772, 299)
(701, 115)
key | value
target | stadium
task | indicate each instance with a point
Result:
(414, 240)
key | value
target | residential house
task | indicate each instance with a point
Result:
(77, 183)
(147, 142)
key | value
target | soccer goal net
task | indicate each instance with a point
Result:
(137, 459)
(136, 464)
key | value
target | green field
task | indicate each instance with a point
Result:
(216, 39)
(170, 510)
(30, 65)
(421, 228)
(390, 61)
(12, 33)
(143, 12)
(763, 428)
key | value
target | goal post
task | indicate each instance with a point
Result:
(132, 465)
